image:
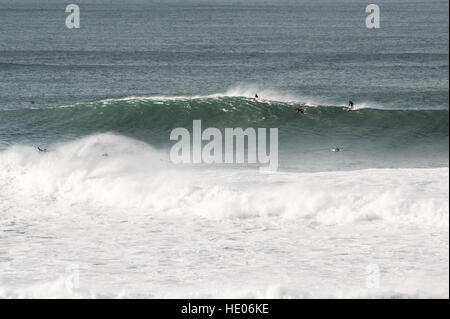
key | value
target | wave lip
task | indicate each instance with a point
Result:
(265, 95)
(244, 92)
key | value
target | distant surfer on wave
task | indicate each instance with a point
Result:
(350, 105)
(41, 149)
(256, 96)
(300, 111)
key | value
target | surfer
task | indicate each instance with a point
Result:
(256, 96)
(337, 149)
(41, 149)
(350, 105)
(300, 111)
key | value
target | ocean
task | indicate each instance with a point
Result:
(104, 213)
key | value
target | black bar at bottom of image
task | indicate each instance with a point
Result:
(227, 308)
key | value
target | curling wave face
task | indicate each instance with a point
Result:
(373, 137)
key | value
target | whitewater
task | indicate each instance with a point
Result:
(133, 225)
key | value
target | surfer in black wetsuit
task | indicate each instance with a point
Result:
(300, 111)
(350, 105)
(256, 96)
(41, 149)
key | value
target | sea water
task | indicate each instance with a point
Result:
(105, 213)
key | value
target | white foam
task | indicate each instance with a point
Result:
(60, 288)
(77, 224)
(134, 175)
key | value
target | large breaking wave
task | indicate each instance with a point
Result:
(135, 175)
(371, 137)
